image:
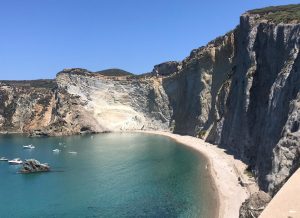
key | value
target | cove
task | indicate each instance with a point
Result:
(112, 175)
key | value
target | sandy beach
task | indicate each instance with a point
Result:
(225, 171)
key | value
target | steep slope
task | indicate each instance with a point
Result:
(241, 91)
(26, 105)
(119, 103)
(263, 93)
(193, 90)
(83, 102)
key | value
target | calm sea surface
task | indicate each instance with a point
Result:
(112, 175)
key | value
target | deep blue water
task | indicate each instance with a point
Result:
(112, 175)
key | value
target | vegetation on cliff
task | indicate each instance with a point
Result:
(114, 72)
(279, 14)
(40, 83)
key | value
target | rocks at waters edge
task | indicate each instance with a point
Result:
(253, 206)
(34, 166)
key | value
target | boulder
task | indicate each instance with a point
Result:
(34, 166)
(254, 205)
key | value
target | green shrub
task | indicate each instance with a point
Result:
(278, 14)
(248, 171)
(201, 134)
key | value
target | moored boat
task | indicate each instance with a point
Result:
(3, 159)
(56, 151)
(28, 147)
(15, 161)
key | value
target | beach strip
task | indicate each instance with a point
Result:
(226, 172)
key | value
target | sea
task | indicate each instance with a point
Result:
(106, 175)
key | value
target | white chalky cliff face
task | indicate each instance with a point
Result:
(119, 103)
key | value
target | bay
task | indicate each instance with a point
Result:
(112, 175)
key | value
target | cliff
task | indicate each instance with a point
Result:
(241, 91)
(79, 101)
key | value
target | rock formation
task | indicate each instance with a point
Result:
(241, 91)
(34, 166)
(253, 206)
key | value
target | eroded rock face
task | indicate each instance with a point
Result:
(33, 166)
(263, 93)
(241, 91)
(254, 205)
(24, 107)
(119, 103)
(194, 90)
(166, 68)
(287, 151)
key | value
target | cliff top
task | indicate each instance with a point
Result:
(114, 72)
(40, 83)
(109, 72)
(279, 14)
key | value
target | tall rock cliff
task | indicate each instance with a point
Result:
(260, 121)
(241, 91)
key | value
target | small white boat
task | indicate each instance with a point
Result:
(15, 161)
(72, 152)
(28, 147)
(56, 150)
(3, 159)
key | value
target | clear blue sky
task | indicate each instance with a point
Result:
(38, 38)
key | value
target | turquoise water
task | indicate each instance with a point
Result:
(112, 175)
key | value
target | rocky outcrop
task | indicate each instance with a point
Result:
(34, 166)
(254, 205)
(26, 105)
(166, 68)
(193, 91)
(241, 91)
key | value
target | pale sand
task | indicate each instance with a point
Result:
(225, 171)
(286, 203)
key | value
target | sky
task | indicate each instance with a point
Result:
(39, 38)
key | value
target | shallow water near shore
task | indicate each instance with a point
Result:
(112, 175)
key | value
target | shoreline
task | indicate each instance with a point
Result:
(225, 173)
